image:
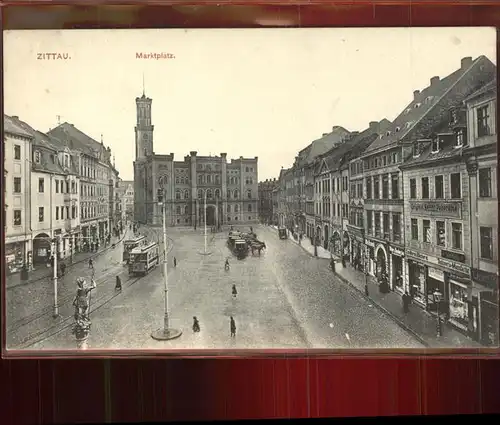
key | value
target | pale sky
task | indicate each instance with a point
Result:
(247, 92)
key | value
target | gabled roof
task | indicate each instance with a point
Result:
(10, 126)
(48, 146)
(334, 158)
(77, 139)
(320, 146)
(491, 86)
(406, 124)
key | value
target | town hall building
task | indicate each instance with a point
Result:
(229, 189)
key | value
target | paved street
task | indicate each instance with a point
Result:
(286, 299)
(29, 307)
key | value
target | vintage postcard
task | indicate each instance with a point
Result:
(250, 189)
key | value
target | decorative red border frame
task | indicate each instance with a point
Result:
(63, 391)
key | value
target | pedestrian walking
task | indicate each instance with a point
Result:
(232, 325)
(226, 265)
(332, 264)
(234, 291)
(175, 262)
(91, 263)
(63, 269)
(196, 325)
(406, 302)
(118, 286)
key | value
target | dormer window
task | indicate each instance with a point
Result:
(37, 157)
(398, 129)
(408, 111)
(417, 105)
(408, 124)
(428, 99)
(436, 142)
(381, 136)
(416, 150)
(388, 133)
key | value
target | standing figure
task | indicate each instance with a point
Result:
(63, 269)
(196, 324)
(175, 262)
(234, 291)
(232, 325)
(332, 264)
(406, 302)
(118, 285)
(91, 263)
(82, 299)
(226, 265)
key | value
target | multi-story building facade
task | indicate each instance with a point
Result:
(302, 191)
(266, 206)
(282, 199)
(54, 196)
(126, 188)
(229, 189)
(17, 192)
(384, 230)
(94, 173)
(481, 156)
(353, 244)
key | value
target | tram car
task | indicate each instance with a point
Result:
(131, 244)
(143, 258)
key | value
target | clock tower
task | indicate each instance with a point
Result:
(144, 128)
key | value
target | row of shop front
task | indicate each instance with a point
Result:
(465, 298)
(35, 252)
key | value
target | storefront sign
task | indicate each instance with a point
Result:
(437, 208)
(455, 256)
(436, 274)
(420, 256)
(459, 267)
(396, 251)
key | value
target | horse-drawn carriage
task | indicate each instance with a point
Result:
(282, 233)
(240, 243)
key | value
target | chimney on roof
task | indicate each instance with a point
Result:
(193, 153)
(15, 117)
(324, 134)
(415, 94)
(374, 125)
(434, 80)
(466, 62)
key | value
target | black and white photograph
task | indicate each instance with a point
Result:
(250, 189)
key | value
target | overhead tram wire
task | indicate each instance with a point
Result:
(29, 341)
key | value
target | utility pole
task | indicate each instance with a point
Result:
(166, 333)
(56, 253)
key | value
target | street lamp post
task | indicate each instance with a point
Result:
(437, 301)
(315, 242)
(165, 333)
(55, 313)
(205, 219)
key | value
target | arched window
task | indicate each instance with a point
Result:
(236, 180)
(209, 178)
(229, 208)
(231, 180)
(249, 194)
(162, 180)
(208, 167)
(177, 194)
(200, 193)
(177, 180)
(236, 208)
(186, 194)
(217, 179)
(209, 193)
(200, 178)
(228, 194)
(236, 194)
(186, 210)
(249, 207)
(217, 193)
(178, 210)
